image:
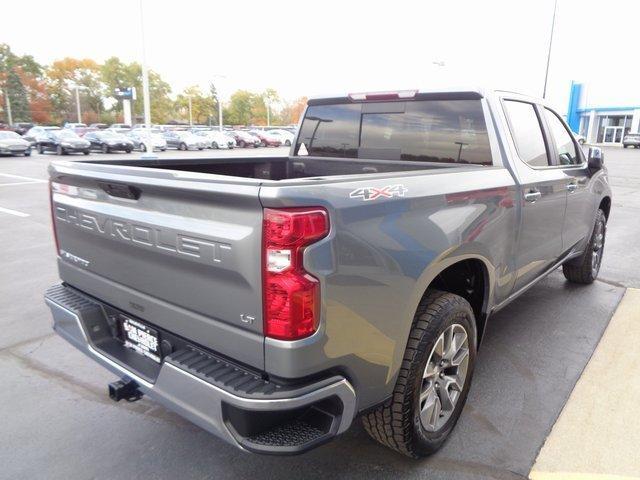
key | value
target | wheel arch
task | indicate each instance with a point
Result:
(605, 206)
(452, 274)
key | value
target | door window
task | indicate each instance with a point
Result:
(565, 146)
(527, 133)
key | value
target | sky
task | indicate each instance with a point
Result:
(307, 48)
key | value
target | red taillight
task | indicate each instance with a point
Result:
(291, 295)
(53, 217)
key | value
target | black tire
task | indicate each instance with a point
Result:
(27, 153)
(60, 150)
(86, 152)
(128, 150)
(624, 146)
(40, 149)
(582, 269)
(396, 423)
(183, 146)
(215, 145)
(287, 143)
(104, 148)
(241, 144)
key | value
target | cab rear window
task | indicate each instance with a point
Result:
(451, 131)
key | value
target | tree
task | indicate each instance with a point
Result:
(213, 91)
(116, 74)
(291, 112)
(239, 111)
(64, 75)
(20, 108)
(20, 78)
(202, 106)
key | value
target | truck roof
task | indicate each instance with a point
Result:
(433, 93)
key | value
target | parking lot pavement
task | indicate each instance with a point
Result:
(57, 421)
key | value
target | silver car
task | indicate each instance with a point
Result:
(13, 144)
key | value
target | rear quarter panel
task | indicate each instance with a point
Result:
(380, 257)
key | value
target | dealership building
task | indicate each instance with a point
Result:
(603, 115)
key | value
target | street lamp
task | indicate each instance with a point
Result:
(553, 24)
(190, 112)
(219, 102)
(77, 88)
(145, 74)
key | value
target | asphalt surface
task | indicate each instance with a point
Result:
(57, 422)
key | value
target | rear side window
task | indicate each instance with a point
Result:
(567, 152)
(527, 133)
(451, 131)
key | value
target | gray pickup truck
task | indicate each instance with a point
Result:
(272, 300)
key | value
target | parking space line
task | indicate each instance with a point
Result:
(13, 212)
(32, 182)
(20, 177)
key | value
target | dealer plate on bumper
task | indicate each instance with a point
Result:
(141, 338)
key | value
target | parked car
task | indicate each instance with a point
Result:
(631, 140)
(63, 142)
(147, 140)
(286, 137)
(274, 300)
(37, 132)
(120, 127)
(183, 140)
(266, 139)
(13, 144)
(98, 126)
(107, 141)
(244, 139)
(21, 127)
(79, 128)
(216, 139)
(74, 125)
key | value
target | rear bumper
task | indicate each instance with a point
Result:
(232, 403)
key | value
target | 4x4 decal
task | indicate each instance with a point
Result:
(372, 193)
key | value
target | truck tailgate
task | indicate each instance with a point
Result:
(170, 248)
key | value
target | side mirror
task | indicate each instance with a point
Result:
(595, 159)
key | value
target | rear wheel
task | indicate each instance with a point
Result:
(105, 148)
(60, 150)
(143, 147)
(585, 268)
(434, 378)
(40, 149)
(215, 145)
(287, 143)
(183, 146)
(241, 144)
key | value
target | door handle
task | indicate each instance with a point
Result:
(572, 187)
(532, 195)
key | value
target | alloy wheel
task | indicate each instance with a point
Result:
(598, 246)
(444, 377)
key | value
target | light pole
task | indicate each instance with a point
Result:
(266, 100)
(219, 102)
(190, 112)
(7, 102)
(553, 24)
(77, 88)
(145, 73)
